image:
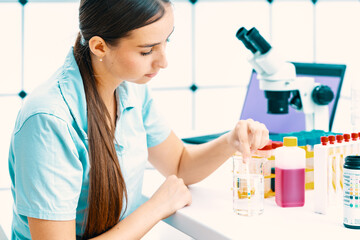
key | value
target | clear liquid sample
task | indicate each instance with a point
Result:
(248, 202)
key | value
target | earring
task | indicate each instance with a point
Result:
(100, 59)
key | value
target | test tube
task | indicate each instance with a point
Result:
(355, 148)
(321, 185)
(332, 167)
(340, 162)
(347, 146)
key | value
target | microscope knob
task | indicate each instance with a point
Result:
(295, 101)
(322, 95)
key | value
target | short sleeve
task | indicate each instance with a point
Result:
(156, 127)
(48, 172)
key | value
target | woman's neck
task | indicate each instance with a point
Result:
(106, 86)
(108, 96)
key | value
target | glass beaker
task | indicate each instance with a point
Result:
(248, 186)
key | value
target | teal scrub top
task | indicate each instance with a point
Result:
(49, 160)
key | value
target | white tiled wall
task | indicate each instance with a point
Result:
(50, 31)
(9, 108)
(10, 62)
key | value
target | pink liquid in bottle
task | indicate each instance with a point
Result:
(290, 187)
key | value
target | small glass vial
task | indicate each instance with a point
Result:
(264, 156)
(248, 186)
(351, 192)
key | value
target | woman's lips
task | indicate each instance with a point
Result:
(151, 75)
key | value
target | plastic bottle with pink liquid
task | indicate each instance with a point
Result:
(290, 162)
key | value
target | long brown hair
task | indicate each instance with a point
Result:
(111, 20)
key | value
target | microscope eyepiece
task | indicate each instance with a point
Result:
(241, 36)
(254, 37)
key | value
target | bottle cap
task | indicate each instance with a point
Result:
(276, 144)
(290, 141)
(347, 137)
(354, 136)
(324, 140)
(268, 146)
(339, 138)
(332, 139)
(352, 162)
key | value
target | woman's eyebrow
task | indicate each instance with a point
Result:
(154, 44)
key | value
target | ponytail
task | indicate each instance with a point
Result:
(107, 189)
(111, 20)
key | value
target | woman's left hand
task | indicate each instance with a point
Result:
(248, 136)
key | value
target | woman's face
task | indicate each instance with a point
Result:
(139, 57)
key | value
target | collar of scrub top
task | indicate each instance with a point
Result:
(72, 89)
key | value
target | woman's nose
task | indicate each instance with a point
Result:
(162, 62)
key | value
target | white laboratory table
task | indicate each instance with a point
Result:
(210, 216)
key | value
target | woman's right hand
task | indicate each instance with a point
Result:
(172, 195)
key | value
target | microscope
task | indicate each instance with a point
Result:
(279, 81)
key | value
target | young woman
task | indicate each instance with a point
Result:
(82, 139)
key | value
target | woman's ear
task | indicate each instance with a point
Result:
(98, 47)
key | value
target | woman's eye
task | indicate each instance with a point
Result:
(146, 53)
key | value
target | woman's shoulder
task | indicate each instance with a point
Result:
(46, 99)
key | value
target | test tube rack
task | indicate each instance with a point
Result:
(329, 158)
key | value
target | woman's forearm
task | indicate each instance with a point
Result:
(199, 161)
(137, 224)
(169, 197)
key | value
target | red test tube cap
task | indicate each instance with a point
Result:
(276, 144)
(268, 146)
(332, 139)
(354, 136)
(347, 137)
(324, 140)
(339, 138)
